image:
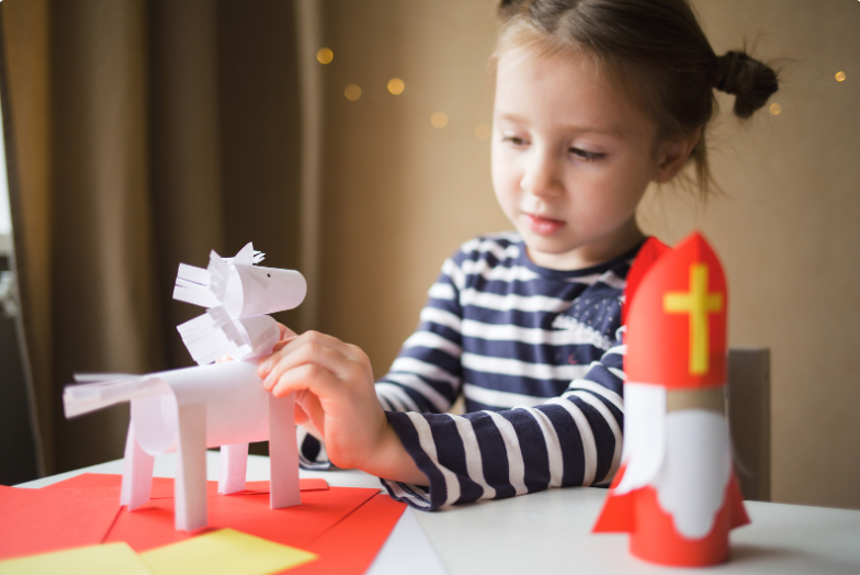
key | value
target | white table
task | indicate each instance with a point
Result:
(550, 532)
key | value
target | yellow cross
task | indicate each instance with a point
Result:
(697, 302)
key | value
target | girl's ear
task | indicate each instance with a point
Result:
(673, 154)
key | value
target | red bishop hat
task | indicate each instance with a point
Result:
(676, 330)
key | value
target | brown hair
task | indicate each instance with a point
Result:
(655, 50)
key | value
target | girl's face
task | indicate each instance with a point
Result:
(571, 158)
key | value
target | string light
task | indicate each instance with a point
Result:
(840, 76)
(396, 86)
(775, 109)
(324, 55)
(439, 119)
(352, 92)
(483, 132)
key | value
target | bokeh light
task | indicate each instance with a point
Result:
(396, 86)
(439, 119)
(483, 131)
(325, 55)
(840, 76)
(775, 109)
(352, 92)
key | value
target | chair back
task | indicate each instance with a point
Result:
(748, 409)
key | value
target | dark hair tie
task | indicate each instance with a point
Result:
(726, 75)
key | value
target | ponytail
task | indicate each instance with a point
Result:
(750, 81)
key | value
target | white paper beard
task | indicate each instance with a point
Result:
(644, 435)
(691, 485)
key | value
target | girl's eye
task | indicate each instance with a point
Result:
(586, 155)
(515, 140)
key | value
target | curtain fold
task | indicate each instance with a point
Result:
(26, 39)
(148, 133)
(105, 308)
(185, 148)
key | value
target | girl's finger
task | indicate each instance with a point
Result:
(266, 362)
(318, 381)
(265, 365)
(315, 353)
(300, 414)
(286, 333)
(311, 406)
(278, 346)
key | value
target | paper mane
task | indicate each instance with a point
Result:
(676, 493)
(221, 405)
(238, 294)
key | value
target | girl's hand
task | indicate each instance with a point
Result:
(286, 334)
(334, 387)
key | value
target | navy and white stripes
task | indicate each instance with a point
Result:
(535, 354)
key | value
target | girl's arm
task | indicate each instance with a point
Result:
(334, 389)
(574, 439)
(570, 440)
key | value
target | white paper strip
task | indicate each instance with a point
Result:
(190, 505)
(86, 397)
(192, 286)
(261, 333)
(644, 434)
(284, 453)
(219, 273)
(233, 468)
(103, 377)
(245, 256)
(137, 473)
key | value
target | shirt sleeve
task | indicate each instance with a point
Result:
(312, 455)
(574, 439)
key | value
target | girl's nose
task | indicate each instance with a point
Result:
(541, 177)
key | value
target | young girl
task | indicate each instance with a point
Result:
(594, 100)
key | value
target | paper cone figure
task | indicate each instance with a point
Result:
(676, 493)
(221, 405)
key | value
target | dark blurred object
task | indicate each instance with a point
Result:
(18, 455)
(748, 395)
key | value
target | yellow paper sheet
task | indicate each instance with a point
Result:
(224, 552)
(108, 559)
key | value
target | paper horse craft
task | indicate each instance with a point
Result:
(676, 493)
(225, 404)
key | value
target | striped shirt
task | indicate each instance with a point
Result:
(536, 355)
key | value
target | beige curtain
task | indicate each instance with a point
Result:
(147, 133)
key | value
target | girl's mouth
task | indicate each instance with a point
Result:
(544, 226)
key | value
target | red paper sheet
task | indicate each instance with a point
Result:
(351, 546)
(42, 520)
(345, 526)
(152, 525)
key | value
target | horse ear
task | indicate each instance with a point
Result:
(651, 251)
